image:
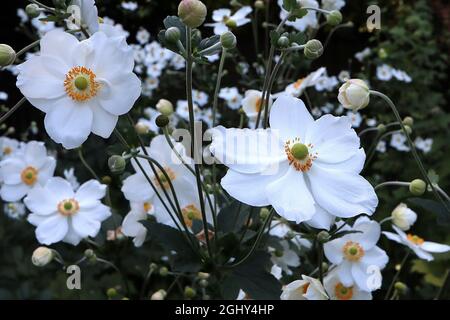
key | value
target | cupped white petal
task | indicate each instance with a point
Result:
(137, 188)
(333, 250)
(89, 191)
(59, 188)
(321, 219)
(13, 192)
(52, 230)
(103, 122)
(58, 43)
(369, 234)
(40, 201)
(434, 247)
(344, 273)
(84, 225)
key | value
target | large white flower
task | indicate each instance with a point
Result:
(306, 289)
(356, 255)
(137, 188)
(223, 16)
(418, 245)
(22, 171)
(338, 291)
(82, 86)
(305, 169)
(61, 214)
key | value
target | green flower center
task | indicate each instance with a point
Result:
(81, 83)
(68, 206)
(299, 151)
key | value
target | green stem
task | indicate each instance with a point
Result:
(397, 274)
(412, 147)
(112, 265)
(320, 261)
(12, 110)
(392, 183)
(86, 165)
(43, 6)
(27, 48)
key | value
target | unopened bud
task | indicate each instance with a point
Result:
(111, 293)
(381, 128)
(283, 42)
(153, 267)
(259, 4)
(192, 12)
(417, 187)
(32, 10)
(7, 55)
(264, 213)
(106, 180)
(163, 271)
(323, 237)
(162, 121)
(159, 295)
(189, 292)
(203, 283)
(313, 49)
(165, 107)
(230, 23)
(172, 35)
(203, 275)
(408, 121)
(408, 129)
(116, 164)
(334, 18)
(42, 256)
(228, 40)
(401, 287)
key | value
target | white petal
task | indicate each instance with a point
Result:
(393, 237)
(434, 247)
(35, 154)
(321, 219)
(11, 171)
(85, 226)
(290, 197)
(361, 276)
(375, 256)
(422, 254)
(290, 117)
(120, 94)
(72, 237)
(333, 250)
(344, 194)
(69, 124)
(59, 44)
(13, 193)
(137, 188)
(40, 201)
(47, 170)
(90, 191)
(103, 122)
(242, 12)
(59, 188)
(52, 230)
(36, 219)
(333, 138)
(344, 272)
(370, 233)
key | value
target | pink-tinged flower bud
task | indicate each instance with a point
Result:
(354, 94)
(42, 256)
(192, 12)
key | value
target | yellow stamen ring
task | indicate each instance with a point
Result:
(80, 84)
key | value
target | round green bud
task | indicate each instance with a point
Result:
(228, 40)
(165, 107)
(116, 164)
(89, 253)
(7, 55)
(400, 287)
(264, 213)
(162, 121)
(417, 187)
(106, 180)
(325, 266)
(408, 129)
(163, 271)
(381, 128)
(283, 42)
(408, 121)
(323, 237)
(299, 151)
(189, 292)
(192, 13)
(230, 23)
(203, 283)
(172, 35)
(259, 4)
(313, 49)
(32, 10)
(334, 18)
(153, 266)
(111, 293)
(290, 235)
(382, 53)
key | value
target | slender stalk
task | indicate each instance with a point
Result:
(444, 285)
(43, 6)
(412, 147)
(392, 183)
(397, 274)
(112, 265)
(145, 284)
(87, 166)
(373, 148)
(12, 110)
(189, 65)
(27, 48)
(320, 260)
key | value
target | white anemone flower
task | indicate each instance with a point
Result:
(385, 72)
(23, 171)
(231, 96)
(308, 21)
(297, 88)
(356, 255)
(331, 5)
(223, 16)
(306, 289)
(61, 214)
(84, 15)
(82, 86)
(252, 103)
(338, 291)
(8, 147)
(403, 217)
(304, 168)
(419, 246)
(285, 258)
(131, 225)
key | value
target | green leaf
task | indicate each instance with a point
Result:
(185, 260)
(274, 36)
(289, 5)
(253, 278)
(297, 37)
(232, 217)
(443, 216)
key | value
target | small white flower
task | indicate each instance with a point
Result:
(200, 98)
(252, 103)
(70, 176)
(420, 247)
(398, 141)
(381, 146)
(130, 5)
(82, 86)
(60, 214)
(223, 16)
(276, 271)
(355, 118)
(326, 83)
(354, 254)
(297, 88)
(306, 289)
(182, 109)
(403, 217)
(344, 76)
(22, 15)
(142, 36)
(401, 76)
(14, 210)
(384, 72)
(424, 144)
(21, 172)
(113, 30)
(232, 97)
(3, 96)
(8, 147)
(177, 62)
(285, 258)
(360, 56)
(371, 122)
(354, 94)
(42, 26)
(338, 291)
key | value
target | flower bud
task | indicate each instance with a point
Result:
(334, 18)
(403, 217)
(408, 129)
(7, 55)
(325, 266)
(163, 271)
(116, 164)
(42, 256)
(189, 292)
(323, 237)
(106, 180)
(401, 287)
(228, 40)
(417, 187)
(283, 42)
(203, 275)
(162, 121)
(165, 107)
(153, 266)
(192, 13)
(172, 34)
(230, 23)
(89, 253)
(32, 10)
(203, 283)
(313, 49)
(159, 295)
(382, 53)
(141, 128)
(259, 4)
(381, 128)
(354, 94)
(408, 121)
(264, 213)
(111, 293)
